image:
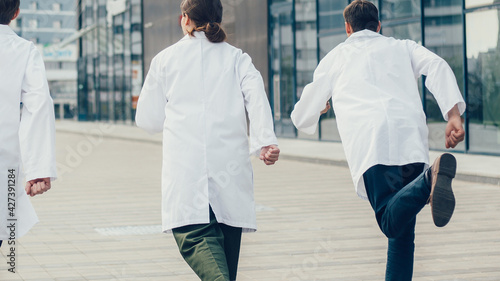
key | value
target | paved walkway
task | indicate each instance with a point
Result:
(101, 220)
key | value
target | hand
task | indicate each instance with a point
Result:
(328, 106)
(455, 132)
(269, 154)
(37, 186)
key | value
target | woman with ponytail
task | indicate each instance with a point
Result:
(198, 92)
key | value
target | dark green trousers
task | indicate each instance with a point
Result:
(211, 250)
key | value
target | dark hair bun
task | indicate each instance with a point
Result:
(214, 32)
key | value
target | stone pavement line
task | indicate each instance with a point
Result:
(311, 224)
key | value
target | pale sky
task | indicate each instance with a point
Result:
(476, 3)
(482, 31)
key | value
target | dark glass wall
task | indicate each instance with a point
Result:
(161, 27)
(246, 24)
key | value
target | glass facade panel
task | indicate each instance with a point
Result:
(443, 36)
(306, 47)
(331, 14)
(483, 60)
(397, 9)
(411, 31)
(306, 42)
(111, 54)
(283, 66)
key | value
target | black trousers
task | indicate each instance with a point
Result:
(397, 194)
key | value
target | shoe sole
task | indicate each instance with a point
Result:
(443, 200)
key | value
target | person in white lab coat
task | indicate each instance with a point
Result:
(197, 92)
(27, 141)
(372, 82)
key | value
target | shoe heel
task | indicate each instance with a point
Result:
(443, 202)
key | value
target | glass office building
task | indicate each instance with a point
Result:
(110, 64)
(464, 32)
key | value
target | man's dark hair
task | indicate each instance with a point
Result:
(361, 14)
(8, 9)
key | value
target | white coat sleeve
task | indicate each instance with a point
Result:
(306, 113)
(440, 80)
(150, 114)
(257, 105)
(37, 127)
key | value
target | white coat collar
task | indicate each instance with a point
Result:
(5, 29)
(362, 34)
(197, 35)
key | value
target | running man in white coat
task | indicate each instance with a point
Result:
(372, 82)
(196, 93)
(27, 141)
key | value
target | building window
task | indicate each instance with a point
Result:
(57, 24)
(89, 13)
(51, 65)
(34, 40)
(33, 23)
(34, 6)
(56, 7)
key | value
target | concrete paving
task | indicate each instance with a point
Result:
(101, 219)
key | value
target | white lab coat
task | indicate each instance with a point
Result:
(197, 92)
(27, 144)
(372, 81)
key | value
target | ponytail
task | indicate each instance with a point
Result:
(213, 31)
